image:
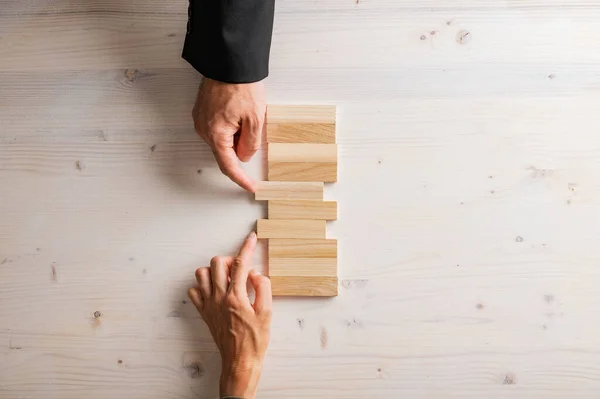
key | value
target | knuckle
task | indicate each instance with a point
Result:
(215, 261)
(238, 261)
(255, 120)
(199, 272)
(231, 300)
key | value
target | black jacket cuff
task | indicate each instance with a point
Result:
(230, 40)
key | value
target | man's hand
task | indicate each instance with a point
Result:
(239, 328)
(230, 118)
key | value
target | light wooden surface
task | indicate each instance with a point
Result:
(305, 286)
(295, 113)
(279, 228)
(308, 267)
(276, 190)
(326, 210)
(304, 162)
(469, 190)
(311, 248)
(300, 133)
(302, 152)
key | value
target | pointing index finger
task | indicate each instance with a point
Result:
(248, 247)
(241, 268)
(228, 163)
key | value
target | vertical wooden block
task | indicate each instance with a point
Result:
(301, 133)
(279, 228)
(289, 191)
(302, 162)
(304, 286)
(303, 210)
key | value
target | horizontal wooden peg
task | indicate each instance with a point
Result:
(279, 228)
(302, 171)
(323, 267)
(304, 286)
(302, 162)
(303, 210)
(301, 114)
(301, 133)
(268, 190)
(311, 248)
(302, 152)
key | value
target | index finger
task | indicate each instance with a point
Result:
(241, 268)
(228, 163)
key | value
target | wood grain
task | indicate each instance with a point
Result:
(301, 133)
(268, 190)
(303, 171)
(304, 286)
(277, 228)
(305, 267)
(285, 248)
(304, 210)
(316, 153)
(456, 284)
(319, 114)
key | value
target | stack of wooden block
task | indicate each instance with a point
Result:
(302, 156)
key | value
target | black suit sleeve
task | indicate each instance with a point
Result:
(230, 40)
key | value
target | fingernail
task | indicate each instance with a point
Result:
(252, 234)
(255, 272)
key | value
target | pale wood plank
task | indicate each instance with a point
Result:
(305, 210)
(303, 171)
(301, 133)
(304, 267)
(276, 228)
(288, 152)
(285, 248)
(320, 114)
(302, 162)
(304, 286)
(268, 191)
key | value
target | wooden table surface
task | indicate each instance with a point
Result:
(469, 196)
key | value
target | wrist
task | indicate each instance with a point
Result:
(239, 383)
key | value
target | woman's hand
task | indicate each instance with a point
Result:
(240, 329)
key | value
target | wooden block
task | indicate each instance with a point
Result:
(301, 133)
(302, 171)
(304, 286)
(303, 210)
(302, 152)
(302, 162)
(284, 248)
(279, 228)
(301, 114)
(321, 267)
(289, 191)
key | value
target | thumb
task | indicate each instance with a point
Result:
(250, 137)
(263, 301)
